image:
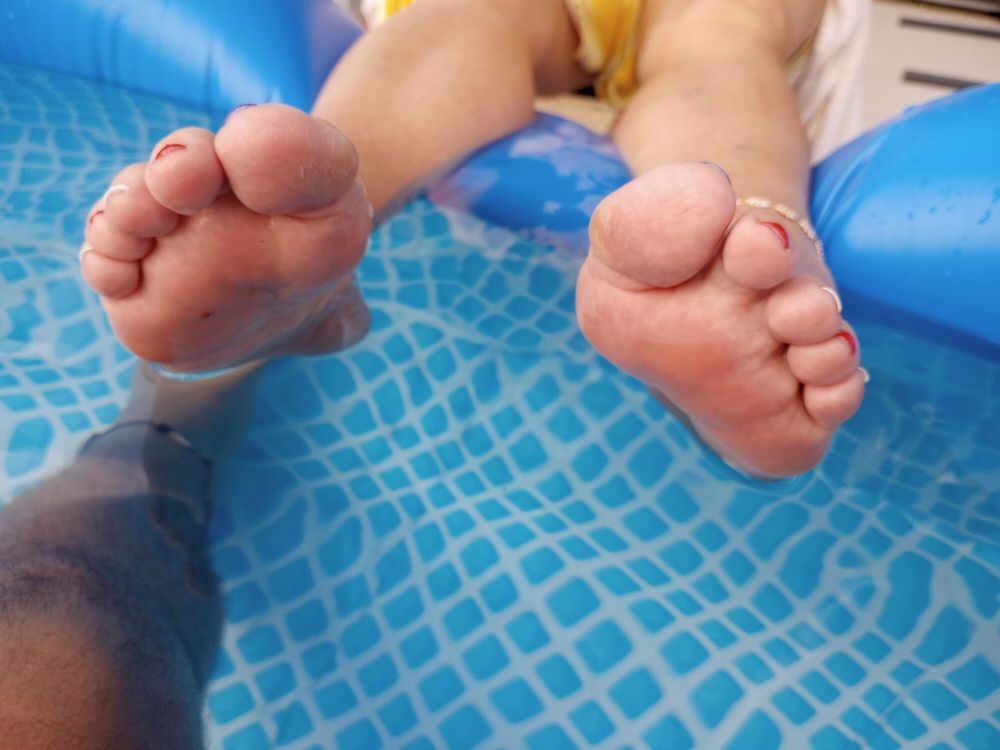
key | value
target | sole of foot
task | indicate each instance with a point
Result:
(234, 246)
(730, 319)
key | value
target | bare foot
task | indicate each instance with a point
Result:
(721, 318)
(236, 246)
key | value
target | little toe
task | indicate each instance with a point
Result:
(183, 172)
(832, 405)
(130, 208)
(827, 362)
(663, 227)
(109, 277)
(801, 311)
(757, 253)
(280, 160)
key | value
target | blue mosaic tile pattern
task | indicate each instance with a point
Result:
(469, 531)
(61, 372)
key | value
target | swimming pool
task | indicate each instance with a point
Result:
(470, 531)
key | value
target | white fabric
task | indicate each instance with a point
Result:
(827, 82)
(373, 11)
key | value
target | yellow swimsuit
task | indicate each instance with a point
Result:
(608, 47)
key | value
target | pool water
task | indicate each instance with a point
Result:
(470, 531)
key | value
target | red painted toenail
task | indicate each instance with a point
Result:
(169, 149)
(851, 341)
(778, 230)
(96, 214)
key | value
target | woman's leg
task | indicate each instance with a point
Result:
(109, 622)
(726, 312)
(109, 616)
(444, 77)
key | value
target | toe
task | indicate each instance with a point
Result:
(183, 172)
(827, 362)
(279, 160)
(106, 239)
(663, 227)
(131, 209)
(109, 277)
(801, 311)
(831, 405)
(757, 253)
(104, 236)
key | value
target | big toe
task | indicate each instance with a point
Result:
(280, 160)
(663, 227)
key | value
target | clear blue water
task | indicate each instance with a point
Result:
(469, 531)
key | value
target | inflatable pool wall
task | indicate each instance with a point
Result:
(216, 54)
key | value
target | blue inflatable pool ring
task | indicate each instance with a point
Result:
(470, 531)
(911, 212)
(215, 55)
